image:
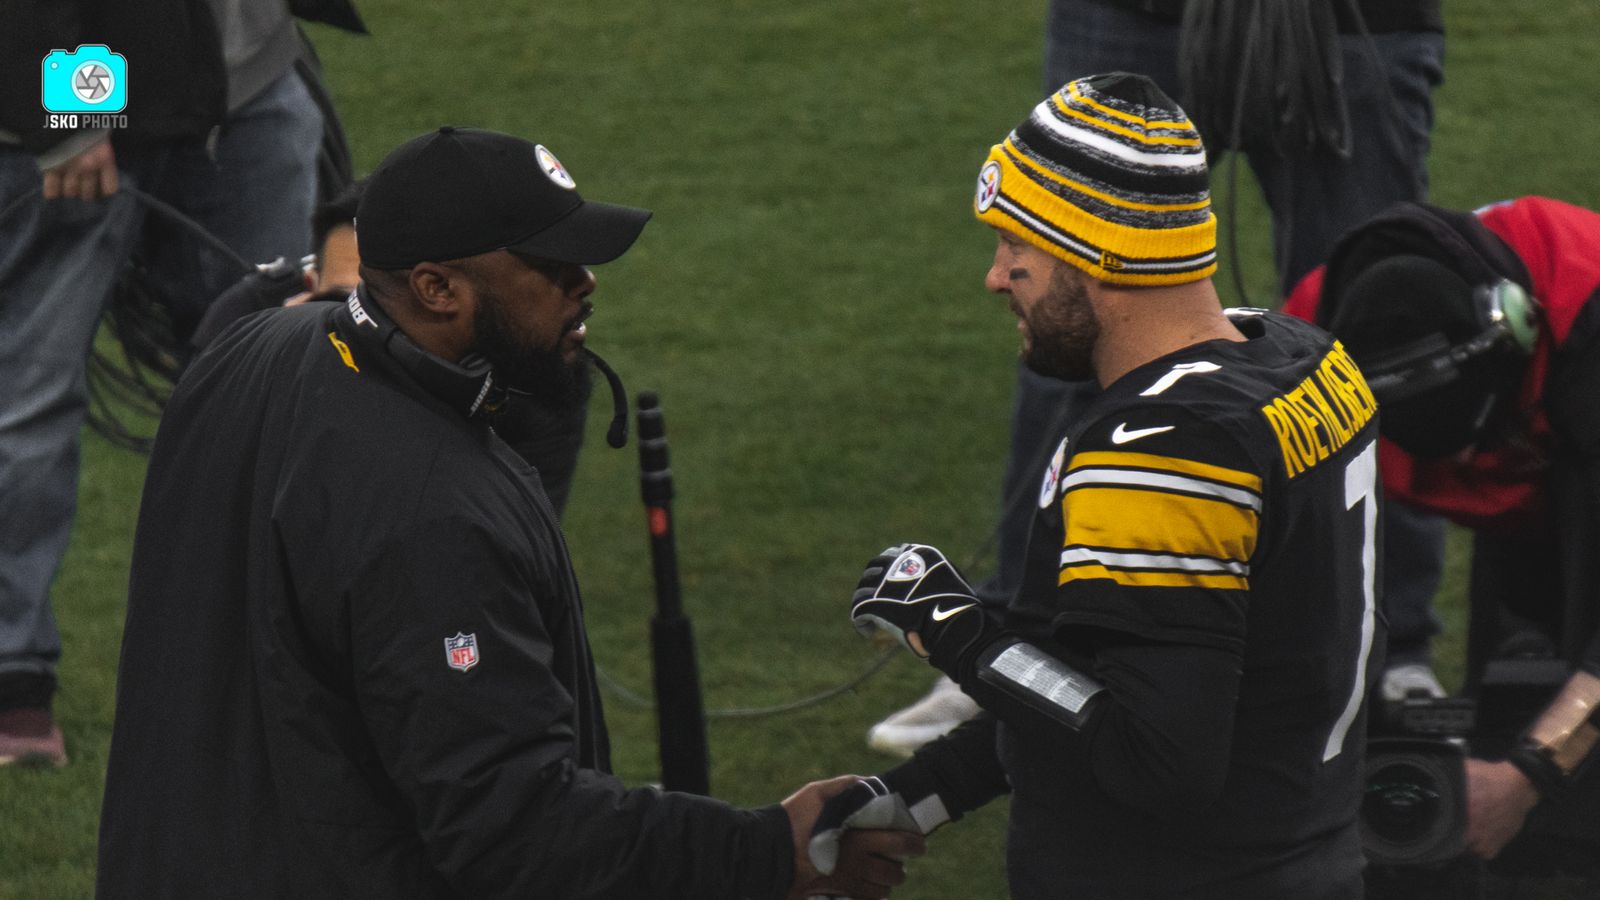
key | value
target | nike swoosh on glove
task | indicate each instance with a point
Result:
(915, 594)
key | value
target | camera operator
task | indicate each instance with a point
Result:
(1480, 335)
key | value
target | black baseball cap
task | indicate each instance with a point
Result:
(459, 192)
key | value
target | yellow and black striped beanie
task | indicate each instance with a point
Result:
(1108, 174)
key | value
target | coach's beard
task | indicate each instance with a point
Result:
(544, 374)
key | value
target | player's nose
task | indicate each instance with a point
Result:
(998, 279)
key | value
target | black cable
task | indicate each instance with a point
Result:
(151, 360)
(1265, 74)
(158, 205)
(1389, 123)
(16, 204)
(634, 699)
(639, 701)
(1269, 76)
(1237, 269)
(194, 227)
(152, 354)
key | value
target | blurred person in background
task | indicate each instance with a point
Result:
(218, 124)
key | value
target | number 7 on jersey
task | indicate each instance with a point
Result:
(1360, 486)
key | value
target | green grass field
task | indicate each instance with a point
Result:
(808, 301)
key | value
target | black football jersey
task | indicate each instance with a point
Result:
(1225, 497)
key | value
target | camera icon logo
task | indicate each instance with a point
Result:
(91, 79)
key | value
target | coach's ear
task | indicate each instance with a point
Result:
(444, 300)
(439, 290)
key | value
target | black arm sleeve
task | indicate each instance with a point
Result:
(963, 767)
(1163, 741)
(1157, 737)
(487, 758)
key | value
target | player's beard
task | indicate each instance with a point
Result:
(1062, 330)
(520, 362)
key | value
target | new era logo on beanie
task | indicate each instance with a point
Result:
(1108, 174)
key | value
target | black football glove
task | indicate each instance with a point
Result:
(914, 593)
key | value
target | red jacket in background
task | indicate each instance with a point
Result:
(1503, 489)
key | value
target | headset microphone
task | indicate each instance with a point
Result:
(617, 434)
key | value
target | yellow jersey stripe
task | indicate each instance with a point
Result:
(1088, 458)
(1146, 521)
(1158, 579)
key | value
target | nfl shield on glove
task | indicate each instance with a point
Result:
(914, 593)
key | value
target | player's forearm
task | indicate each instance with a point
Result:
(1152, 722)
(1164, 710)
(964, 765)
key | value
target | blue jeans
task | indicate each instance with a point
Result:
(58, 262)
(1313, 198)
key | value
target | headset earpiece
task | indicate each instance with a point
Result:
(1510, 304)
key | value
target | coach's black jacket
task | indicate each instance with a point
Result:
(322, 515)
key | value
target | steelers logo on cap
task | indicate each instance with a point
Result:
(988, 186)
(553, 169)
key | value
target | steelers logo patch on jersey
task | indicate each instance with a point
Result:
(1052, 476)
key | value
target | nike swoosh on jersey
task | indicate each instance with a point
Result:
(1122, 434)
(939, 615)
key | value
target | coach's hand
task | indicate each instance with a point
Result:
(869, 863)
(912, 592)
(900, 800)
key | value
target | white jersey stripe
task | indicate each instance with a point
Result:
(1126, 560)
